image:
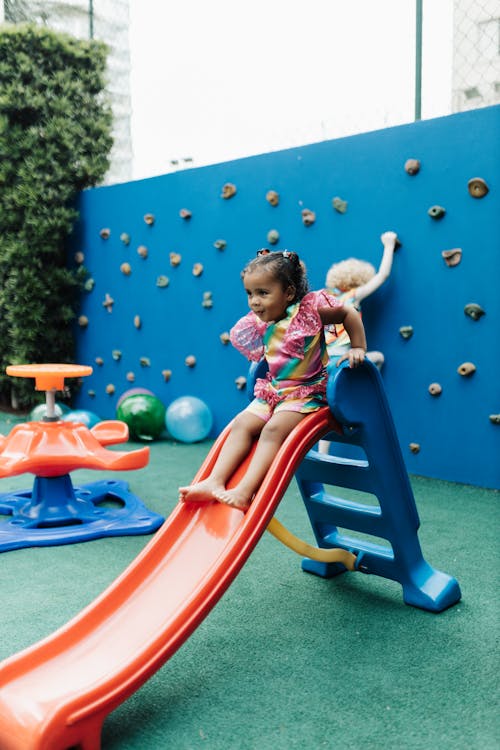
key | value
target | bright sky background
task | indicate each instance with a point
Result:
(214, 80)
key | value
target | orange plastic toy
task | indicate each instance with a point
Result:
(55, 512)
(49, 378)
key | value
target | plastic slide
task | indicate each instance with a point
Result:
(57, 693)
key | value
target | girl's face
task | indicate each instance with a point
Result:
(266, 296)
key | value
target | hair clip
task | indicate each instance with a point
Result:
(263, 251)
(290, 255)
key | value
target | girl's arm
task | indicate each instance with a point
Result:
(351, 320)
(389, 241)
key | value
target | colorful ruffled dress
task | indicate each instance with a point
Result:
(295, 351)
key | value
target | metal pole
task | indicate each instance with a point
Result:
(418, 60)
(91, 19)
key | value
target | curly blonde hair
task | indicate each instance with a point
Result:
(349, 274)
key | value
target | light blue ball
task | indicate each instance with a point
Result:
(40, 411)
(188, 419)
(88, 418)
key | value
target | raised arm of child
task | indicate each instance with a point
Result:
(389, 241)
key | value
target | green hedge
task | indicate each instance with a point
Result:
(55, 139)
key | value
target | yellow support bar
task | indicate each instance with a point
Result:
(307, 550)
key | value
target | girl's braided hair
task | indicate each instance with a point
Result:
(285, 266)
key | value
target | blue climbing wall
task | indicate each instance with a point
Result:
(143, 337)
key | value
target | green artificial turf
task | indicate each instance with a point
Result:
(287, 660)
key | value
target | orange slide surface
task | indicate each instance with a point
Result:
(57, 693)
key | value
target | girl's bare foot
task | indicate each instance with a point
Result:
(233, 497)
(201, 492)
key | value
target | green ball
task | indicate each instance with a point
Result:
(144, 414)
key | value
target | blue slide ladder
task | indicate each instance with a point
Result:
(367, 457)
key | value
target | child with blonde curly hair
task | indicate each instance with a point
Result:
(351, 281)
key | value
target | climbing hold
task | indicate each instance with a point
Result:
(185, 213)
(197, 269)
(436, 212)
(99, 361)
(116, 354)
(105, 233)
(406, 332)
(452, 257)
(478, 187)
(149, 219)
(108, 303)
(91, 393)
(126, 269)
(308, 217)
(241, 382)
(474, 311)
(79, 258)
(125, 238)
(142, 251)
(495, 418)
(220, 244)
(167, 374)
(137, 321)
(175, 259)
(190, 360)
(466, 369)
(130, 377)
(412, 166)
(435, 389)
(207, 300)
(89, 285)
(415, 447)
(145, 362)
(339, 205)
(273, 236)
(83, 321)
(228, 190)
(162, 281)
(225, 338)
(110, 389)
(272, 197)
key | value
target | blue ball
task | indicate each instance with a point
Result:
(188, 419)
(40, 411)
(88, 418)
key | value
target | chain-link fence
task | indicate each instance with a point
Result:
(476, 54)
(471, 70)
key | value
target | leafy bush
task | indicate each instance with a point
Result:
(55, 139)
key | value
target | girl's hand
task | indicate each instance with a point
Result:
(356, 355)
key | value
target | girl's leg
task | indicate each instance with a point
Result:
(271, 439)
(246, 427)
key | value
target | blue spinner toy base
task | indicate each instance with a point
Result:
(366, 457)
(54, 512)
